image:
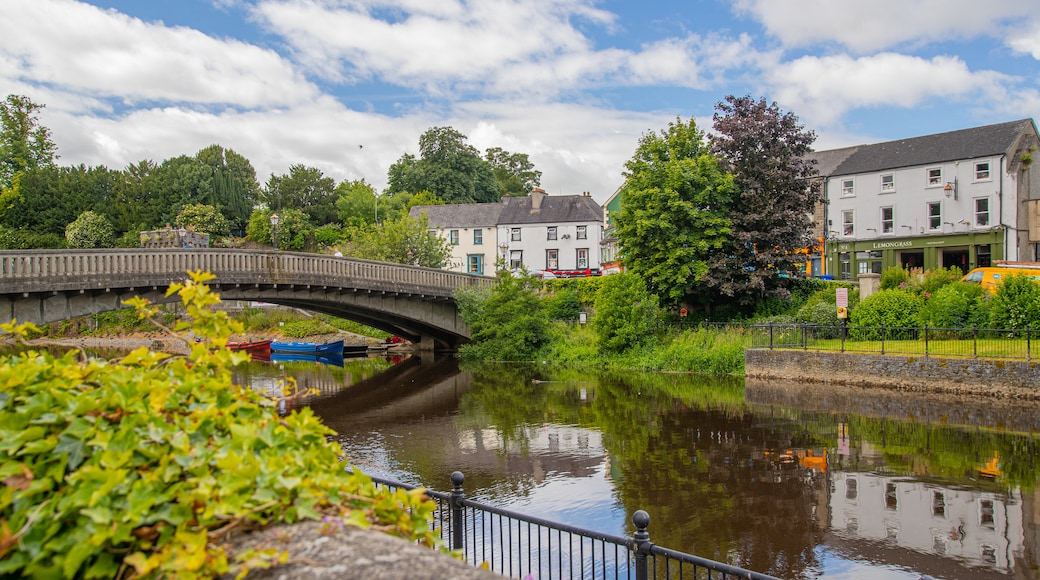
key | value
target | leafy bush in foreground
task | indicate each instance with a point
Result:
(144, 465)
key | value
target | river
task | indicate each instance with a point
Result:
(798, 481)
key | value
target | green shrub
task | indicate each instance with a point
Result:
(145, 465)
(305, 327)
(937, 278)
(626, 313)
(355, 327)
(328, 235)
(894, 278)
(90, 230)
(888, 308)
(957, 305)
(507, 322)
(562, 304)
(1016, 303)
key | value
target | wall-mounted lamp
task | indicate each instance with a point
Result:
(950, 189)
(963, 222)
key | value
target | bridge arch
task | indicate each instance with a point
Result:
(44, 286)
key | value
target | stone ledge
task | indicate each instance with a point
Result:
(351, 553)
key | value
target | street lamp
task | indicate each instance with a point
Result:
(274, 229)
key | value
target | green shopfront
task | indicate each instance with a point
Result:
(847, 259)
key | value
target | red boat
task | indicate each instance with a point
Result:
(251, 346)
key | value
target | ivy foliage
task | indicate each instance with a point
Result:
(143, 466)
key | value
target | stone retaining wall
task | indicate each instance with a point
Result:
(995, 378)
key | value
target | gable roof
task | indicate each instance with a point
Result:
(463, 215)
(554, 209)
(939, 148)
(828, 161)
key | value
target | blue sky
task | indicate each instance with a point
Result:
(348, 86)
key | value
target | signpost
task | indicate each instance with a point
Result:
(841, 299)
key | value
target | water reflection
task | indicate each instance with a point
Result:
(794, 481)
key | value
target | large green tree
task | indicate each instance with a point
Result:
(232, 187)
(306, 189)
(514, 172)
(24, 142)
(44, 200)
(447, 166)
(675, 210)
(765, 149)
(401, 239)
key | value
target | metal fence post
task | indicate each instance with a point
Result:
(1029, 344)
(643, 544)
(458, 533)
(770, 336)
(882, 339)
(805, 336)
(926, 340)
(975, 341)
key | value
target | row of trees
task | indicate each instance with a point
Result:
(719, 222)
(216, 191)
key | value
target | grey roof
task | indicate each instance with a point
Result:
(463, 215)
(554, 209)
(941, 147)
(828, 161)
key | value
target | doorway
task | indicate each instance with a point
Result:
(955, 257)
(911, 260)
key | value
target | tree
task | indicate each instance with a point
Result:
(765, 150)
(356, 203)
(514, 172)
(675, 210)
(90, 230)
(292, 231)
(44, 200)
(204, 219)
(233, 186)
(403, 240)
(24, 142)
(306, 189)
(447, 166)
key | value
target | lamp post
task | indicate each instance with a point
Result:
(274, 229)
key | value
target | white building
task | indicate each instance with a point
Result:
(537, 232)
(963, 198)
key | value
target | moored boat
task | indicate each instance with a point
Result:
(328, 348)
(251, 346)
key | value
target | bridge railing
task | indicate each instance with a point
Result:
(65, 269)
(516, 545)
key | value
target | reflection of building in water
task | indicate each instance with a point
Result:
(537, 449)
(977, 528)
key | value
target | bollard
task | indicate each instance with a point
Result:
(457, 519)
(643, 544)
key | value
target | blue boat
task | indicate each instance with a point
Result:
(335, 360)
(312, 348)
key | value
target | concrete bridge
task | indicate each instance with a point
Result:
(416, 303)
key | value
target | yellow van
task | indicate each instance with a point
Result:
(991, 277)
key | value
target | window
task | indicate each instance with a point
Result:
(982, 211)
(552, 259)
(847, 225)
(888, 221)
(514, 234)
(888, 182)
(583, 258)
(453, 237)
(982, 171)
(478, 237)
(581, 235)
(475, 263)
(848, 187)
(551, 233)
(516, 259)
(935, 176)
(934, 215)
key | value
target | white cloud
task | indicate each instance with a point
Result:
(74, 46)
(822, 89)
(1026, 39)
(871, 26)
(503, 47)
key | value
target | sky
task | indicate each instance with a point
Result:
(348, 86)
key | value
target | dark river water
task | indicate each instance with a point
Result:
(798, 481)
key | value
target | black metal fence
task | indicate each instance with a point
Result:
(924, 341)
(521, 546)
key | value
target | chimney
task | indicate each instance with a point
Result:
(537, 195)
